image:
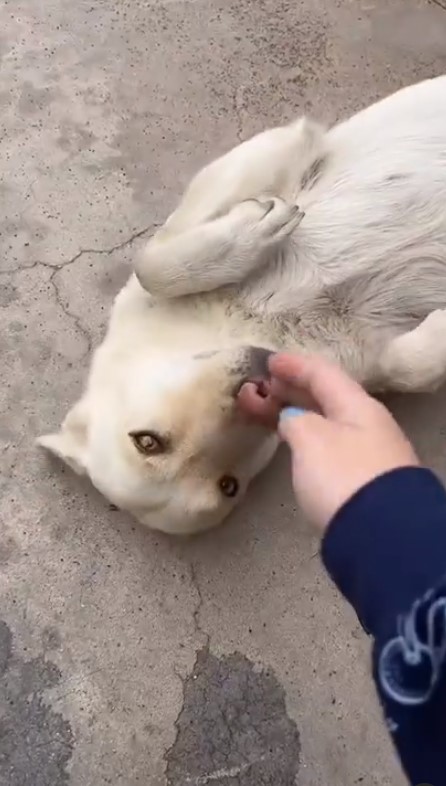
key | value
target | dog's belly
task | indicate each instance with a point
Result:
(417, 112)
(373, 239)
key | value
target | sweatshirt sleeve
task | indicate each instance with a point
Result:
(386, 551)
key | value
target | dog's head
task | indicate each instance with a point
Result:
(164, 438)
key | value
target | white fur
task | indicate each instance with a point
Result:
(327, 241)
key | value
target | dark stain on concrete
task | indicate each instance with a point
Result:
(51, 639)
(233, 728)
(33, 99)
(8, 294)
(8, 550)
(36, 743)
(74, 137)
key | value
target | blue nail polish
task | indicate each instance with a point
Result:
(291, 412)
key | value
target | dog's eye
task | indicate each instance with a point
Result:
(147, 442)
(228, 486)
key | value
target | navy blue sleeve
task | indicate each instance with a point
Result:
(386, 551)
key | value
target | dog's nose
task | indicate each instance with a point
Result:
(257, 362)
(252, 366)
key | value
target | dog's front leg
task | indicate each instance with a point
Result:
(218, 252)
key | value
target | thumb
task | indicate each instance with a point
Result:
(335, 393)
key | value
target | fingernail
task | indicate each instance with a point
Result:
(291, 412)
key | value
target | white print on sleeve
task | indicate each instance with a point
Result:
(409, 668)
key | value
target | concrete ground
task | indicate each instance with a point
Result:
(128, 658)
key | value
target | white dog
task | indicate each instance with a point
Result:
(326, 241)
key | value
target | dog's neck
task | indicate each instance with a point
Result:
(202, 322)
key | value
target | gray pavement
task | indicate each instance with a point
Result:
(128, 658)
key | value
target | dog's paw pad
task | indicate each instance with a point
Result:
(280, 217)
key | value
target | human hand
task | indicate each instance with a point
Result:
(341, 440)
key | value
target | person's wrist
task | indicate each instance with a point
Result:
(365, 480)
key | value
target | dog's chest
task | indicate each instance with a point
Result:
(206, 321)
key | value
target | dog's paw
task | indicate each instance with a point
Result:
(269, 219)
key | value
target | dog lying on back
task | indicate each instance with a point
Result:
(325, 241)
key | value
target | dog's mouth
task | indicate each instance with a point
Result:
(259, 386)
(262, 387)
(254, 370)
(256, 402)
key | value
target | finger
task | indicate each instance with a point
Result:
(296, 425)
(290, 395)
(287, 421)
(333, 391)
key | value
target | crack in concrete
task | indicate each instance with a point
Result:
(29, 193)
(197, 611)
(440, 3)
(79, 327)
(105, 251)
(101, 251)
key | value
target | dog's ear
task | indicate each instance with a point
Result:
(70, 443)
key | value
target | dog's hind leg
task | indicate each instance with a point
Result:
(416, 361)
